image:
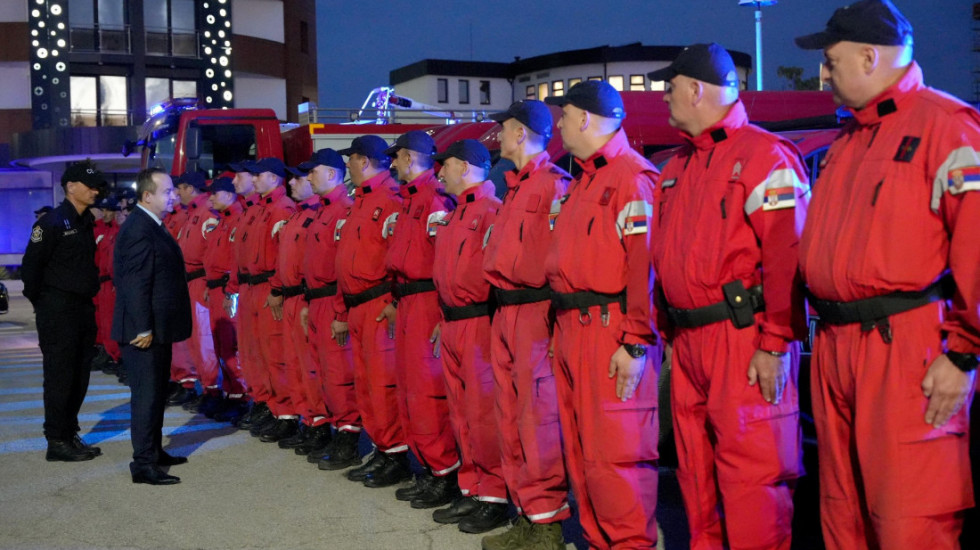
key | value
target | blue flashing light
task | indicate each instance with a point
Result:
(158, 108)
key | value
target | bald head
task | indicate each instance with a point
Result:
(857, 72)
(696, 105)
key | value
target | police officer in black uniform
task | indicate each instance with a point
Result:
(60, 280)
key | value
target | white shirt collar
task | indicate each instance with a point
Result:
(152, 215)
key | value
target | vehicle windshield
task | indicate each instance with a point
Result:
(219, 145)
(162, 151)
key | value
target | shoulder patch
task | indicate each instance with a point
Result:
(632, 219)
(486, 236)
(231, 236)
(553, 214)
(277, 227)
(388, 227)
(97, 239)
(434, 220)
(37, 234)
(208, 226)
(336, 229)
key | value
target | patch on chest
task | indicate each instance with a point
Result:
(906, 149)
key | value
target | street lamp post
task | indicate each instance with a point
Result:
(757, 4)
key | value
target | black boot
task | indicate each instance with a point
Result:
(487, 517)
(232, 410)
(99, 361)
(282, 429)
(342, 453)
(422, 481)
(441, 491)
(78, 443)
(394, 470)
(65, 451)
(317, 437)
(258, 414)
(211, 404)
(192, 405)
(377, 462)
(181, 396)
(297, 439)
(459, 509)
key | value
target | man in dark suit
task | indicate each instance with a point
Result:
(152, 312)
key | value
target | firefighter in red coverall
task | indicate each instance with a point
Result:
(463, 336)
(424, 411)
(527, 407)
(334, 380)
(300, 363)
(193, 238)
(607, 356)
(183, 372)
(891, 234)
(218, 265)
(105, 301)
(260, 246)
(366, 286)
(731, 208)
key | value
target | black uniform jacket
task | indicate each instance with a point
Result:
(61, 254)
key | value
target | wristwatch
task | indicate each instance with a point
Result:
(635, 350)
(966, 362)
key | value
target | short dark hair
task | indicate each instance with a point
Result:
(145, 183)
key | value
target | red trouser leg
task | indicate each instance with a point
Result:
(423, 408)
(527, 412)
(103, 316)
(201, 342)
(299, 362)
(271, 354)
(336, 367)
(255, 378)
(739, 456)
(469, 378)
(225, 344)
(887, 479)
(181, 367)
(610, 446)
(374, 375)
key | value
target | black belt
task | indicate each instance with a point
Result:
(471, 311)
(739, 306)
(413, 287)
(196, 274)
(220, 282)
(260, 278)
(321, 292)
(104, 278)
(354, 300)
(582, 301)
(242, 277)
(521, 296)
(871, 311)
(290, 291)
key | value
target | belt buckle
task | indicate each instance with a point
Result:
(584, 317)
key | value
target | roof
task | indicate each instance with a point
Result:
(447, 67)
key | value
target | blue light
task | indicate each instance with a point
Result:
(157, 109)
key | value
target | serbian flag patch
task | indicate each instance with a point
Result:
(779, 198)
(964, 179)
(635, 224)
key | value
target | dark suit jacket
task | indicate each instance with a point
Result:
(151, 285)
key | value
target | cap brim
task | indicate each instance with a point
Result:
(662, 75)
(392, 151)
(346, 152)
(441, 157)
(299, 173)
(557, 101)
(307, 166)
(817, 40)
(238, 166)
(501, 117)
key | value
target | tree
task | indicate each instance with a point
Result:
(794, 76)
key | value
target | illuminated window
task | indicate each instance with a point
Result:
(573, 81)
(616, 81)
(442, 90)
(658, 86)
(99, 101)
(637, 83)
(542, 90)
(558, 88)
(160, 89)
(529, 92)
(595, 78)
(464, 92)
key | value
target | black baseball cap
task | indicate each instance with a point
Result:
(298, 171)
(196, 180)
(595, 96)
(869, 22)
(470, 150)
(222, 183)
(324, 157)
(415, 140)
(43, 210)
(269, 164)
(705, 62)
(531, 113)
(370, 146)
(84, 172)
(241, 166)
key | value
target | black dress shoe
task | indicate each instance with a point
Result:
(342, 452)
(487, 517)
(170, 460)
(378, 461)
(65, 451)
(406, 494)
(394, 470)
(78, 443)
(459, 509)
(282, 429)
(153, 476)
(439, 492)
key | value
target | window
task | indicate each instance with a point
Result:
(170, 28)
(98, 26)
(160, 89)
(637, 83)
(484, 92)
(657, 86)
(558, 88)
(616, 81)
(442, 90)
(99, 101)
(304, 37)
(464, 92)
(573, 81)
(542, 90)
(595, 78)
(529, 92)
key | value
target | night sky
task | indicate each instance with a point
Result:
(358, 43)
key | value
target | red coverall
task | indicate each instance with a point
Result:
(182, 368)
(527, 407)
(731, 208)
(601, 244)
(423, 408)
(300, 364)
(260, 245)
(466, 342)
(256, 377)
(335, 364)
(105, 300)
(895, 206)
(220, 267)
(99, 229)
(360, 268)
(192, 239)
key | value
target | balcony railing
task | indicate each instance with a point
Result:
(101, 39)
(172, 42)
